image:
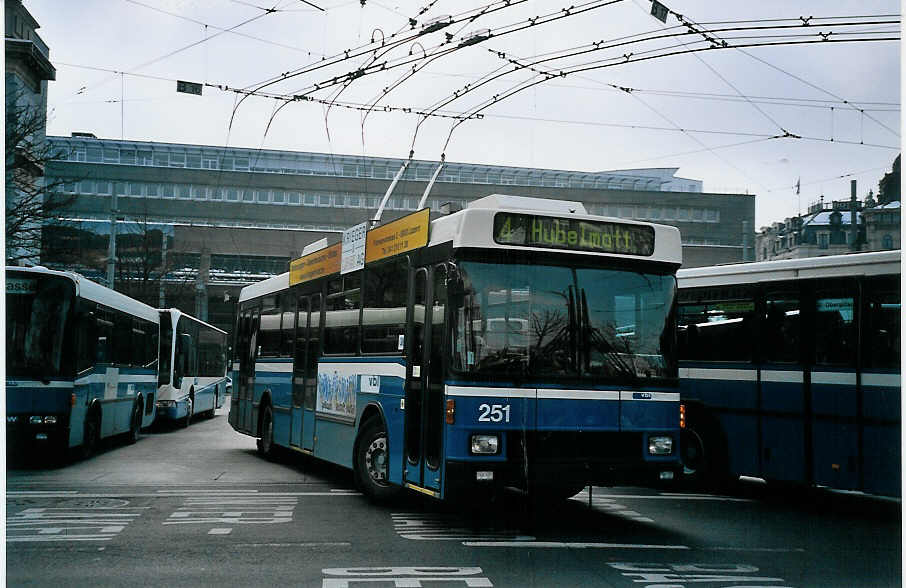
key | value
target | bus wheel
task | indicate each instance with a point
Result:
(266, 442)
(91, 437)
(135, 422)
(190, 407)
(705, 463)
(371, 461)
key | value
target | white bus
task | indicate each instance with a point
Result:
(81, 363)
(192, 375)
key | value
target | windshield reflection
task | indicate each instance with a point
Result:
(561, 322)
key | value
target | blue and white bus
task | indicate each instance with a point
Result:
(193, 366)
(790, 371)
(519, 342)
(81, 363)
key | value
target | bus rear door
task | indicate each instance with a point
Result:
(248, 357)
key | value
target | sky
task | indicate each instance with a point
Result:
(790, 91)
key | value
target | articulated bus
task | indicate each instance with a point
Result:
(192, 375)
(518, 342)
(81, 363)
(790, 371)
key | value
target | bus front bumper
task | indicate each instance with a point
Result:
(27, 433)
(172, 409)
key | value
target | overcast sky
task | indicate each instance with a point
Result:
(714, 114)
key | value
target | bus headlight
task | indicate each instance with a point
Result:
(660, 445)
(50, 420)
(485, 444)
(166, 403)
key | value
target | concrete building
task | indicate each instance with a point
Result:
(232, 215)
(28, 69)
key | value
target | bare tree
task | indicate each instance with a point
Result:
(31, 201)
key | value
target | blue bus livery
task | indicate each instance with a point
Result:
(518, 342)
(790, 372)
(81, 362)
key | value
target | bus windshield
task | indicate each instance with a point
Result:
(37, 313)
(561, 322)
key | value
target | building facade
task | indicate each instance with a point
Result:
(28, 69)
(237, 215)
(838, 227)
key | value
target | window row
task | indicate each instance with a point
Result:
(822, 323)
(342, 167)
(244, 195)
(110, 336)
(657, 213)
(363, 311)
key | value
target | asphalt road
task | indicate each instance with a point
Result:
(197, 506)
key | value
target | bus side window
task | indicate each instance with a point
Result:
(781, 327)
(105, 336)
(87, 340)
(835, 328)
(881, 332)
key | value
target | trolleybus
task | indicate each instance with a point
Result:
(192, 374)
(518, 342)
(790, 371)
(81, 363)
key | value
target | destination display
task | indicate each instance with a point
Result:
(315, 265)
(399, 236)
(530, 230)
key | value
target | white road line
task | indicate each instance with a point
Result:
(312, 544)
(568, 545)
(145, 495)
(220, 531)
(756, 549)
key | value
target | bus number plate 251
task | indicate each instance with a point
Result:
(494, 413)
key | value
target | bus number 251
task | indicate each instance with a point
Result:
(494, 413)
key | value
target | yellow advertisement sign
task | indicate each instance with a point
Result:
(315, 265)
(399, 236)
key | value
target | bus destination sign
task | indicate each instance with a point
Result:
(315, 265)
(575, 234)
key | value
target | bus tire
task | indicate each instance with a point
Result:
(265, 443)
(91, 437)
(704, 456)
(190, 408)
(371, 462)
(135, 422)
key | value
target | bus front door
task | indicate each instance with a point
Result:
(424, 390)
(247, 370)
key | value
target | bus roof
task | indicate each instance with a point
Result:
(474, 227)
(263, 287)
(830, 266)
(93, 291)
(180, 314)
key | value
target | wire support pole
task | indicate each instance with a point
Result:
(396, 179)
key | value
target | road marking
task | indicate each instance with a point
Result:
(607, 503)
(569, 545)
(308, 544)
(756, 549)
(206, 510)
(220, 531)
(440, 527)
(177, 493)
(68, 524)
